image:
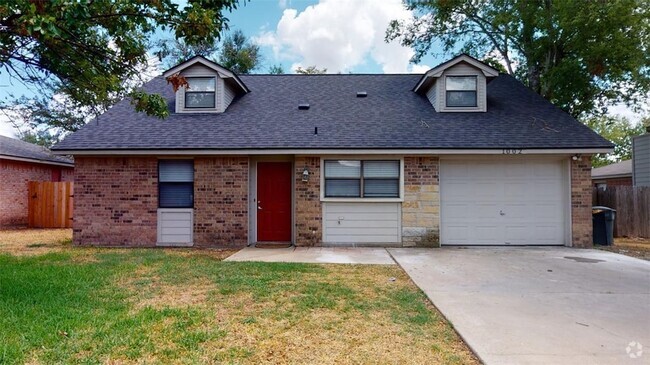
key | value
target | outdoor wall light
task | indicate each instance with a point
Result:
(305, 174)
(577, 157)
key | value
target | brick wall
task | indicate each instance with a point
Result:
(421, 206)
(581, 198)
(621, 181)
(308, 219)
(221, 201)
(14, 176)
(115, 201)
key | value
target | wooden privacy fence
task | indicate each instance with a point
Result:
(50, 204)
(632, 204)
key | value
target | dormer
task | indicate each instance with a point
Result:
(211, 87)
(458, 85)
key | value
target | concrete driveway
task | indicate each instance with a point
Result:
(539, 305)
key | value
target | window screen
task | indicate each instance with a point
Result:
(200, 93)
(343, 179)
(381, 179)
(461, 91)
(176, 183)
(362, 179)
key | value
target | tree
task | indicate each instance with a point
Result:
(619, 131)
(239, 54)
(41, 138)
(311, 70)
(581, 55)
(86, 49)
(276, 69)
(174, 51)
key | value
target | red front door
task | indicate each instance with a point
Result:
(274, 201)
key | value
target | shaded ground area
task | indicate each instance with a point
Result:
(87, 305)
(635, 247)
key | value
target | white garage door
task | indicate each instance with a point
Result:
(504, 202)
(361, 222)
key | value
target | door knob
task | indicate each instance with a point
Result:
(259, 208)
(502, 213)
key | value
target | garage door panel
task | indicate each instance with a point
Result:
(457, 233)
(361, 222)
(507, 201)
(487, 233)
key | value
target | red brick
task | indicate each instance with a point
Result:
(14, 176)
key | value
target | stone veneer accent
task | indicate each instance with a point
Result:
(581, 200)
(115, 201)
(221, 201)
(421, 206)
(308, 211)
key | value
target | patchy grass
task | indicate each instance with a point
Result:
(180, 306)
(22, 242)
(635, 247)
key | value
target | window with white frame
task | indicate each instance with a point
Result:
(461, 91)
(176, 183)
(362, 179)
(200, 93)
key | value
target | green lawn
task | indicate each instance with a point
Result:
(179, 306)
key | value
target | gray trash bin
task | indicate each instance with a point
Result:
(603, 225)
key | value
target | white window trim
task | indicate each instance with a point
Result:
(362, 158)
(199, 109)
(181, 94)
(476, 87)
(448, 108)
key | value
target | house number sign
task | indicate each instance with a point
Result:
(512, 151)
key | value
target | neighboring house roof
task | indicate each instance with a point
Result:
(392, 116)
(619, 169)
(15, 149)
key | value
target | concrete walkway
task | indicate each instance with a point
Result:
(316, 255)
(539, 305)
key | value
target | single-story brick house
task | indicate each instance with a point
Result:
(460, 155)
(20, 163)
(616, 174)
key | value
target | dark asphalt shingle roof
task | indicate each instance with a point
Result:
(16, 148)
(391, 116)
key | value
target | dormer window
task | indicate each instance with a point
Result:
(461, 91)
(200, 93)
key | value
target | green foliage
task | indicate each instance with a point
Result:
(276, 70)
(239, 54)
(174, 51)
(149, 103)
(86, 49)
(311, 70)
(581, 55)
(41, 138)
(619, 131)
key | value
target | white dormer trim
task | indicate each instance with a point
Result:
(223, 72)
(437, 72)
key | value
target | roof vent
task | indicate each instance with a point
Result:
(303, 106)
(362, 94)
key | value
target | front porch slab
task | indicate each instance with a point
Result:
(316, 255)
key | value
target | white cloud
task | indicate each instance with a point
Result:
(6, 129)
(339, 35)
(420, 69)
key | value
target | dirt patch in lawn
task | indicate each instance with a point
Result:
(21, 242)
(635, 247)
